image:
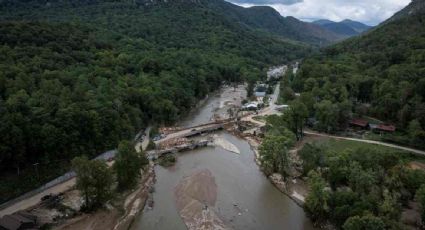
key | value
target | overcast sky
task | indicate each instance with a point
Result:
(371, 12)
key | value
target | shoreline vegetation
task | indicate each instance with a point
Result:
(324, 175)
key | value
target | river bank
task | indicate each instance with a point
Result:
(119, 213)
(296, 189)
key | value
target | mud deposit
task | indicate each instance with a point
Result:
(214, 188)
(195, 199)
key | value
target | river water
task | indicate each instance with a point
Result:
(245, 197)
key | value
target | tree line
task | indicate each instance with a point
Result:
(78, 77)
(378, 74)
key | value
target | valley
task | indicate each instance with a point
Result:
(211, 114)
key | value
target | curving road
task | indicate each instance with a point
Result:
(62, 187)
(420, 152)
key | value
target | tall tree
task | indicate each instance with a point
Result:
(368, 222)
(274, 155)
(420, 197)
(94, 180)
(316, 203)
(297, 113)
(128, 164)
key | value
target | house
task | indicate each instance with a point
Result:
(18, 221)
(250, 106)
(385, 128)
(260, 94)
(359, 123)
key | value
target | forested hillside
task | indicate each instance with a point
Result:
(170, 15)
(267, 19)
(77, 77)
(345, 28)
(380, 74)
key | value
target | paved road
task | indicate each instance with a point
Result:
(62, 187)
(271, 109)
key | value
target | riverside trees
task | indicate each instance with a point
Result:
(94, 180)
(274, 150)
(128, 164)
(360, 188)
(274, 155)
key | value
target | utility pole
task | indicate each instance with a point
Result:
(36, 170)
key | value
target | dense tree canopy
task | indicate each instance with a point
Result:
(360, 188)
(78, 77)
(379, 74)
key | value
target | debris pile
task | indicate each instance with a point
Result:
(173, 143)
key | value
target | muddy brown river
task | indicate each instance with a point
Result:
(245, 198)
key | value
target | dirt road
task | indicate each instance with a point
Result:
(367, 141)
(32, 201)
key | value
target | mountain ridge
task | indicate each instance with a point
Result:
(383, 68)
(346, 28)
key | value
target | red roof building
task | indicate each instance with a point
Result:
(359, 123)
(386, 128)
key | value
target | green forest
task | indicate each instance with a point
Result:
(78, 77)
(379, 74)
(360, 187)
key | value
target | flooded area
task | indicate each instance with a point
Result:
(216, 106)
(234, 193)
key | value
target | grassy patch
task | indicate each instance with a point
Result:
(338, 145)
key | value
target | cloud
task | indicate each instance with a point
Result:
(366, 11)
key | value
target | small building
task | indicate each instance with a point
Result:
(359, 123)
(260, 94)
(250, 106)
(385, 128)
(18, 221)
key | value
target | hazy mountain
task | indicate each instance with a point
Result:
(346, 28)
(261, 18)
(357, 26)
(268, 19)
